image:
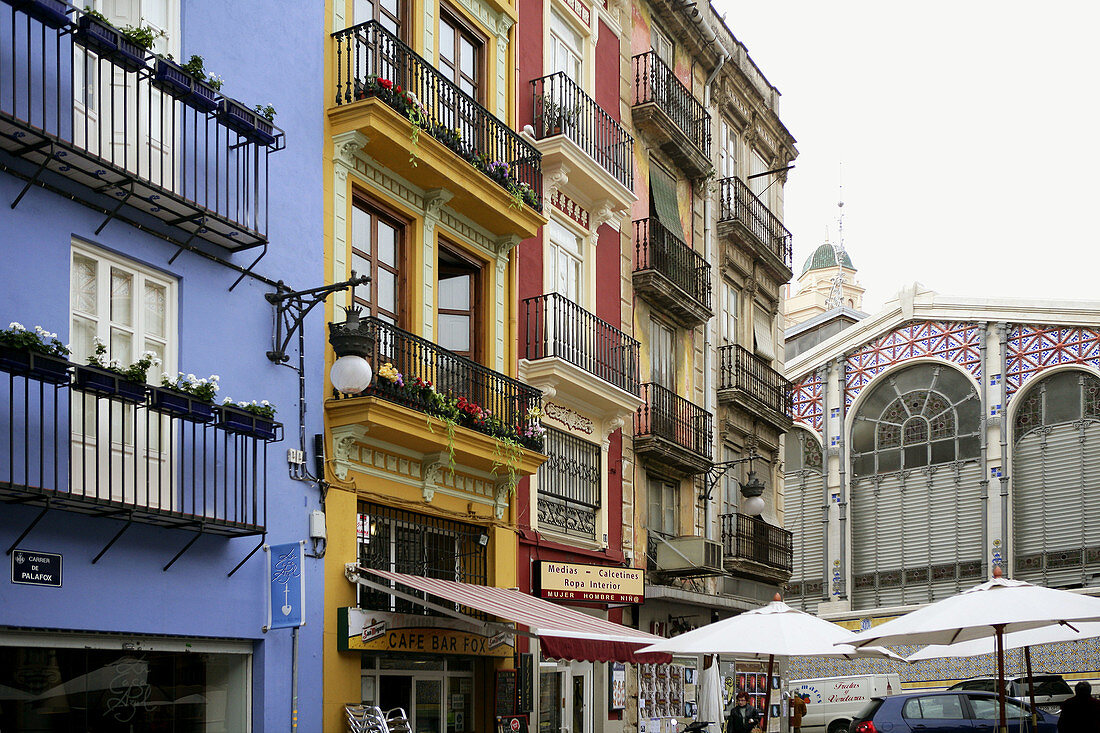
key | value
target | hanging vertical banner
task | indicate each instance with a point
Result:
(286, 590)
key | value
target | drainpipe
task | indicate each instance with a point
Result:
(984, 446)
(709, 337)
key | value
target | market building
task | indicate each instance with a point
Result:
(149, 209)
(934, 441)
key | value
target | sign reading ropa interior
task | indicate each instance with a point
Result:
(601, 583)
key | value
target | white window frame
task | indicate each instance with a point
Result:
(664, 496)
(662, 45)
(728, 152)
(662, 361)
(565, 247)
(731, 302)
(566, 48)
(759, 186)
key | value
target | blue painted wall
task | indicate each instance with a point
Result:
(267, 54)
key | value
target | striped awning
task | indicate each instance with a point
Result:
(564, 633)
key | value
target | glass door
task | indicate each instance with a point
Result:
(428, 705)
(565, 692)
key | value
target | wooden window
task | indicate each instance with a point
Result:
(461, 50)
(390, 14)
(458, 316)
(662, 354)
(664, 507)
(377, 247)
(662, 44)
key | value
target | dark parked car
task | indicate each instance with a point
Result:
(1050, 690)
(947, 712)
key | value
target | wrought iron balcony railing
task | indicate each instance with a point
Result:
(437, 381)
(738, 203)
(569, 485)
(556, 326)
(372, 62)
(656, 248)
(562, 108)
(667, 415)
(105, 447)
(738, 368)
(117, 137)
(745, 537)
(655, 82)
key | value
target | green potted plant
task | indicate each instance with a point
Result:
(188, 82)
(125, 46)
(555, 117)
(185, 396)
(253, 419)
(37, 354)
(108, 377)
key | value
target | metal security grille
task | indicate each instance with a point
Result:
(1055, 516)
(804, 517)
(417, 544)
(569, 485)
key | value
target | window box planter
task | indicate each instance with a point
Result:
(243, 422)
(109, 384)
(34, 365)
(108, 41)
(172, 79)
(236, 116)
(51, 13)
(180, 404)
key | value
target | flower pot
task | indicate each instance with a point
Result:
(243, 422)
(108, 41)
(170, 78)
(252, 126)
(202, 96)
(180, 404)
(108, 383)
(51, 13)
(34, 365)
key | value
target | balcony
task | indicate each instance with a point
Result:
(569, 494)
(745, 219)
(576, 358)
(753, 548)
(672, 431)
(576, 135)
(399, 412)
(745, 380)
(90, 451)
(666, 111)
(671, 275)
(113, 136)
(384, 90)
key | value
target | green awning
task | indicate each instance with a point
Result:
(662, 197)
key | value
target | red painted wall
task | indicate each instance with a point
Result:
(607, 68)
(608, 261)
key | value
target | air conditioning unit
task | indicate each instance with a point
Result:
(689, 555)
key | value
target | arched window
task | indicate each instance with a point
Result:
(1055, 462)
(916, 488)
(921, 416)
(803, 517)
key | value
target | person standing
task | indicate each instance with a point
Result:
(798, 709)
(1080, 713)
(743, 717)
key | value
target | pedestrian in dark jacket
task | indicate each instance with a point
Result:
(1080, 713)
(743, 717)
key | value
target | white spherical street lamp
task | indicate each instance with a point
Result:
(351, 372)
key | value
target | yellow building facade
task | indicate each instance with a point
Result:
(429, 189)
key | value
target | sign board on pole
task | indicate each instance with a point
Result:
(286, 590)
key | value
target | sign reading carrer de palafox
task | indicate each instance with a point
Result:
(36, 568)
(601, 583)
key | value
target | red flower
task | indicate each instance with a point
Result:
(386, 84)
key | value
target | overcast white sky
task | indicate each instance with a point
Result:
(968, 132)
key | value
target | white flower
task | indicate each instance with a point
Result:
(114, 364)
(16, 326)
(214, 377)
(40, 331)
(97, 341)
(228, 401)
(190, 377)
(165, 375)
(265, 403)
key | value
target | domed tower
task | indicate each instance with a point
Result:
(828, 281)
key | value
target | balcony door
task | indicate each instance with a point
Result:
(461, 61)
(565, 697)
(121, 452)
(390, 14)
(124, 121)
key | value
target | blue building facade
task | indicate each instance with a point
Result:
(154, 215)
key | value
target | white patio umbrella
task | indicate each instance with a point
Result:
(774, 630)
(994, 608)
(1013, 640)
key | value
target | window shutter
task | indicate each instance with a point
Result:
(662, 192)
(762, 335)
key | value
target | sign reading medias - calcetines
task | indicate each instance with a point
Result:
(36, 568)
(601, 583)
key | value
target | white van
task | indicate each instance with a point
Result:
(832, 702)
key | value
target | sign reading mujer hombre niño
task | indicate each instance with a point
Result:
(600, 583)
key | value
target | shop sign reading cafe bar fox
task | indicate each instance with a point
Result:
(593, 583)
